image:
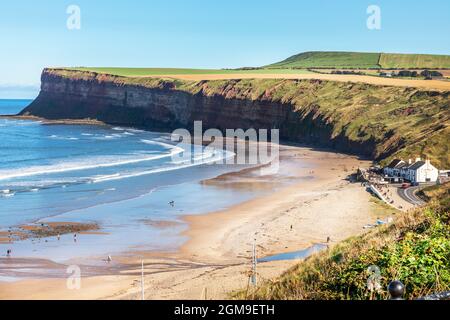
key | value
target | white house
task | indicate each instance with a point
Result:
(422, 171)
(417, 172)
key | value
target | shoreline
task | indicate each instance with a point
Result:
(45, 121)
(219, 242)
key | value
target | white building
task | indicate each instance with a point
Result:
(422, 171)
(417, 172)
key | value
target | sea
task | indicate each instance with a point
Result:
(125, 180)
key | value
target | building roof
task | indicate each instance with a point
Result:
(395, 163)
(417, 165)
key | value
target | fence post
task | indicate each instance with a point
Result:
(396, 290)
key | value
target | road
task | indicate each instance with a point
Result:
(410, 196)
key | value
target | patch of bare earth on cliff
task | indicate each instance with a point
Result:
(424, 84)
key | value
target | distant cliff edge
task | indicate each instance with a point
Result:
(375, 121)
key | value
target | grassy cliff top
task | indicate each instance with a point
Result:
(363, 60)
(321, 59)
(145, 72)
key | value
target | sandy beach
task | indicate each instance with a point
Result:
(319, 202)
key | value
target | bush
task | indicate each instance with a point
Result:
(415, 249)
(430, 74)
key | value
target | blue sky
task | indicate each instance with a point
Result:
(204, 33)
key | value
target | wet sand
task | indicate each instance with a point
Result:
(216, 259)
(45, 230)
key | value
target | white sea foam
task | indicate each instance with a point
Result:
(135, 130)
(105, 177)
(218, 157)
(90, 163)
(62, 138)
(174, 149)
(8, 195)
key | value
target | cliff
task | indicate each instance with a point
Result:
(374, 121)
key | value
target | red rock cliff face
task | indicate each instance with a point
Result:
(164, 107)
(343, 116)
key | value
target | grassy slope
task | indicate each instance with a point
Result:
(330, 59)
(390, 60)
(305, 60)
(414, 249)
(363, 60)
(142, 72)
(401, 121)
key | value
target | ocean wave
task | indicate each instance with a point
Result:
(219, 156)
(105, 177)
(62, 138)
(174, 149)
(17, 187)
(92, 163)
(105, 137)
(8, 195)
(136, 130)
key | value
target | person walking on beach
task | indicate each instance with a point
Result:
(74, 237)
(8, 253)
(58, 236)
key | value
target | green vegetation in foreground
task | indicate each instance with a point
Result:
(415, 249)
(393, 61)
(142, 72)
(363, 60)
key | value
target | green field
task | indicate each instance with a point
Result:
(142, 72)
(363, 60)
(390, 60)
(298, 64)
(330, 60)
